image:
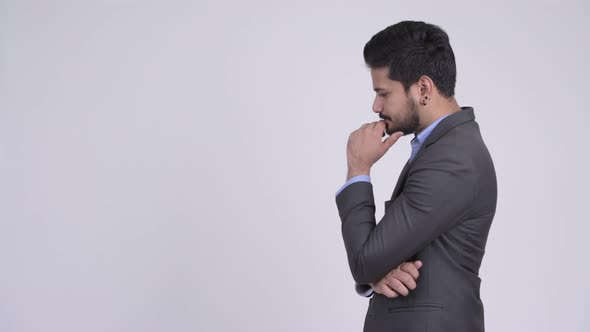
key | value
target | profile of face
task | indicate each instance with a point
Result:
(393, 105)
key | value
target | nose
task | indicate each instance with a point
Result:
(377, 107)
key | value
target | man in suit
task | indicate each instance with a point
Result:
(442, 207)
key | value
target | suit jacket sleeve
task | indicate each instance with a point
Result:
(437, 193)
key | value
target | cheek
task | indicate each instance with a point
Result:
(391, 107)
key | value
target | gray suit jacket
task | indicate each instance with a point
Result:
(440, 212)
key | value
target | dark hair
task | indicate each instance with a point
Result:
(411, 49)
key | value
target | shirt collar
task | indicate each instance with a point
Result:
(421, 137)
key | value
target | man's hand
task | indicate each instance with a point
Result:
(365, 147)
(399, 281)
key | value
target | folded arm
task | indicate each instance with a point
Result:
(436, 194)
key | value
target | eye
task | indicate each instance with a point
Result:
(383, 94)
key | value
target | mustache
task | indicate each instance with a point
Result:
(384, 117)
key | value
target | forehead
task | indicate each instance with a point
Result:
(381, 81)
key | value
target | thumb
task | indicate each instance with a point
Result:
(390, 141)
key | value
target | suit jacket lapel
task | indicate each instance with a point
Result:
(401, 180)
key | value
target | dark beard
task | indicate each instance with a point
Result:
(409, 124)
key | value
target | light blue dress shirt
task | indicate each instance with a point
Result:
(416, 144)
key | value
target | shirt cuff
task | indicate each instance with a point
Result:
(364, 290)
(358, 178)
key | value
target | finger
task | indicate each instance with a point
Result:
(390, 141)
(411, 269)
(382, 288)
(405, 278)
(418, 264)
(397, 286)
(389, 292)
(380, 124)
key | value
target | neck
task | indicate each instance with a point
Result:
(436, 110)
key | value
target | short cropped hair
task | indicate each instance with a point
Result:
(411, 49)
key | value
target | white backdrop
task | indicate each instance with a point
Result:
(172, 165)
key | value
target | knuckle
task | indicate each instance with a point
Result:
(395, 284)
(400, 287)
(413, 274)
(395, 281)
(407, 279)
(408, 268)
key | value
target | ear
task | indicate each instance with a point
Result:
(425, 86)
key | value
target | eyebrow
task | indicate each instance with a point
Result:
(379, 89)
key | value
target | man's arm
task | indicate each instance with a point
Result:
(438, 191)
(399, 282)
